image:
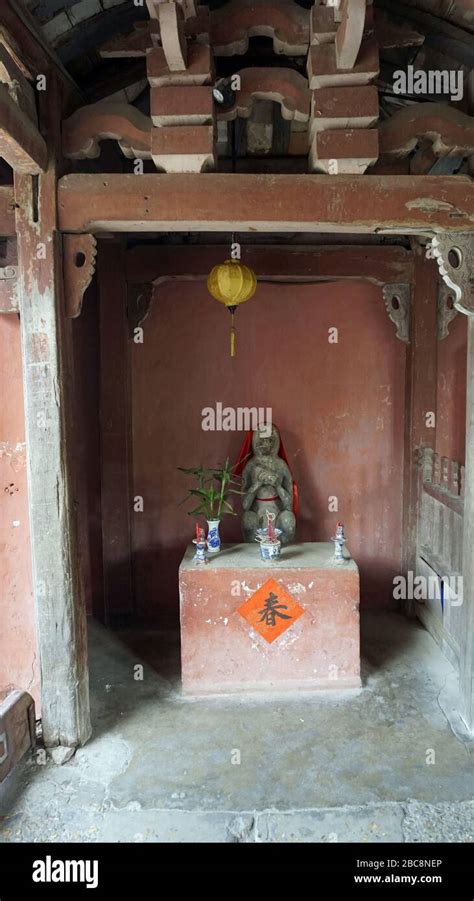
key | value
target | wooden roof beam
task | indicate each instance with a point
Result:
(265, 203)
(21, 144)
(19, 32)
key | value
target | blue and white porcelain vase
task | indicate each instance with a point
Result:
(213, 538)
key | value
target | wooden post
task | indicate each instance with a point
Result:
(115, 430)
(467, 608)
(49, 418)
(455, 258)
(420, 393)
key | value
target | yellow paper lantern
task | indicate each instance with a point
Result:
(231, 283)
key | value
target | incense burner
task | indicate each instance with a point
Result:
(269, 540)
(269, 549)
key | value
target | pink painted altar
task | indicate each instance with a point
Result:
(250, 626)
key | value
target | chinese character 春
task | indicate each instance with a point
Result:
(272, 609)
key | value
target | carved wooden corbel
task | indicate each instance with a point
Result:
(239, 20)
(280, 84)
(454, 253)
(89, 125)
(397, 298)
(79, 253)
(9, 302)
(450, 131)
(139, 304)
(446, 310)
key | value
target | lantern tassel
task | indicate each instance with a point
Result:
(232, 337)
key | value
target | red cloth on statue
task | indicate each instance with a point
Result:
(244, 456)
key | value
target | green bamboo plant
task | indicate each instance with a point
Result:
(214, 486)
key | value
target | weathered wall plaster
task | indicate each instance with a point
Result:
(19, 664)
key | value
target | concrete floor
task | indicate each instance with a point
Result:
(312, 768)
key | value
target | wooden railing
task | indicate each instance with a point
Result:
(439, 548)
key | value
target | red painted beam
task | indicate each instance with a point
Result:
(265, 203)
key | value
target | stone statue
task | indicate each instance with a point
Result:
(267, 485)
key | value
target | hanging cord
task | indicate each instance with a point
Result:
(232, 331)
(232, 311)
(233, 149)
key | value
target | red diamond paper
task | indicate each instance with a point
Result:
(271, 610)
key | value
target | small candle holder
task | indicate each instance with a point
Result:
(200, 555)
(339, 542)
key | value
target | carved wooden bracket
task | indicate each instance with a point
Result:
(450, 131)
(187, 148)
(454, 252)
(91, 124)
(79, 253)
(397, 299)
(283, 85)
(238, 20)
(138, 307)
(232, 25)
(446, 310)
(9, 300)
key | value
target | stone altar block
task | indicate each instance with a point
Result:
(300, 633)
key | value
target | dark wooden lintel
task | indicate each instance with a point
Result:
(380, 264)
